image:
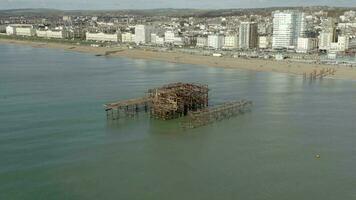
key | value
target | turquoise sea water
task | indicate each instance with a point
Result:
(55, 141)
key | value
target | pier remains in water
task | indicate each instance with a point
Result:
(177, 100)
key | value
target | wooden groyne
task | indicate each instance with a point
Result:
(212, 114)
(319, 74)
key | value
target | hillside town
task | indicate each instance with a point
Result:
(294, 34)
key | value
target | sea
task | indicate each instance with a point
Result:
(297, 142)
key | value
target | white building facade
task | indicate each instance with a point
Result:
(142, 34)
(103, 37)
(325, 40)
(216, 41)
(341, 45)
(50, 34)
(157, 39)
(10, 30)
(127, 37)
(306, 45)
(287, 27)
(20, 30)
(202, 42)
(248, 35)
(264, 42)
(169, 36)
(231, 42)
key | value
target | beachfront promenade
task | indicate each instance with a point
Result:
(167, 55)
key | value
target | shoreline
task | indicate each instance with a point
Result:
(259, 65)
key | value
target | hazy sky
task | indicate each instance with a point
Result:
(147, 4)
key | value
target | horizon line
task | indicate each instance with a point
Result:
(171, 8)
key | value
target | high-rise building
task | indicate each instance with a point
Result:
(287, 27)
(248, 35)
(142, 34)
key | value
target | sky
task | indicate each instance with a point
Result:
(149, 4)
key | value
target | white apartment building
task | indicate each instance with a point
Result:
(25, 31)
(231, 42)
(264, 42)
(341, 45)
(50, 34)
(248, 35)
(343, 42)
(142, 34)
(216, 41)
(20, 30)
(202, 42)
(156, 39)
(352, 42)
(306, 45)
(287, 27)
(127, 37)
(169, 36)
(325, 40)
(103, 37)
(10, 30)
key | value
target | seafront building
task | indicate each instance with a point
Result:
(157, 39)
(216, 41)
(306, 45)
(287, 32)
(143, 34)
(21, 30)
(287, 27)
(127, 37)
(169, 37)
(264, 42)
(103, 37)
(58, 34)
(10, 30)
(325, 40)
(202, 42)
(231, 42)
(341, 45)
(248, 35)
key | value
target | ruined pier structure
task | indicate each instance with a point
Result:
(217, 113)
(166, 102)
(127, 107)
(177, 100)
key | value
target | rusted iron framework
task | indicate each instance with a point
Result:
(177, 100)
(217, 113)
(128, 107)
